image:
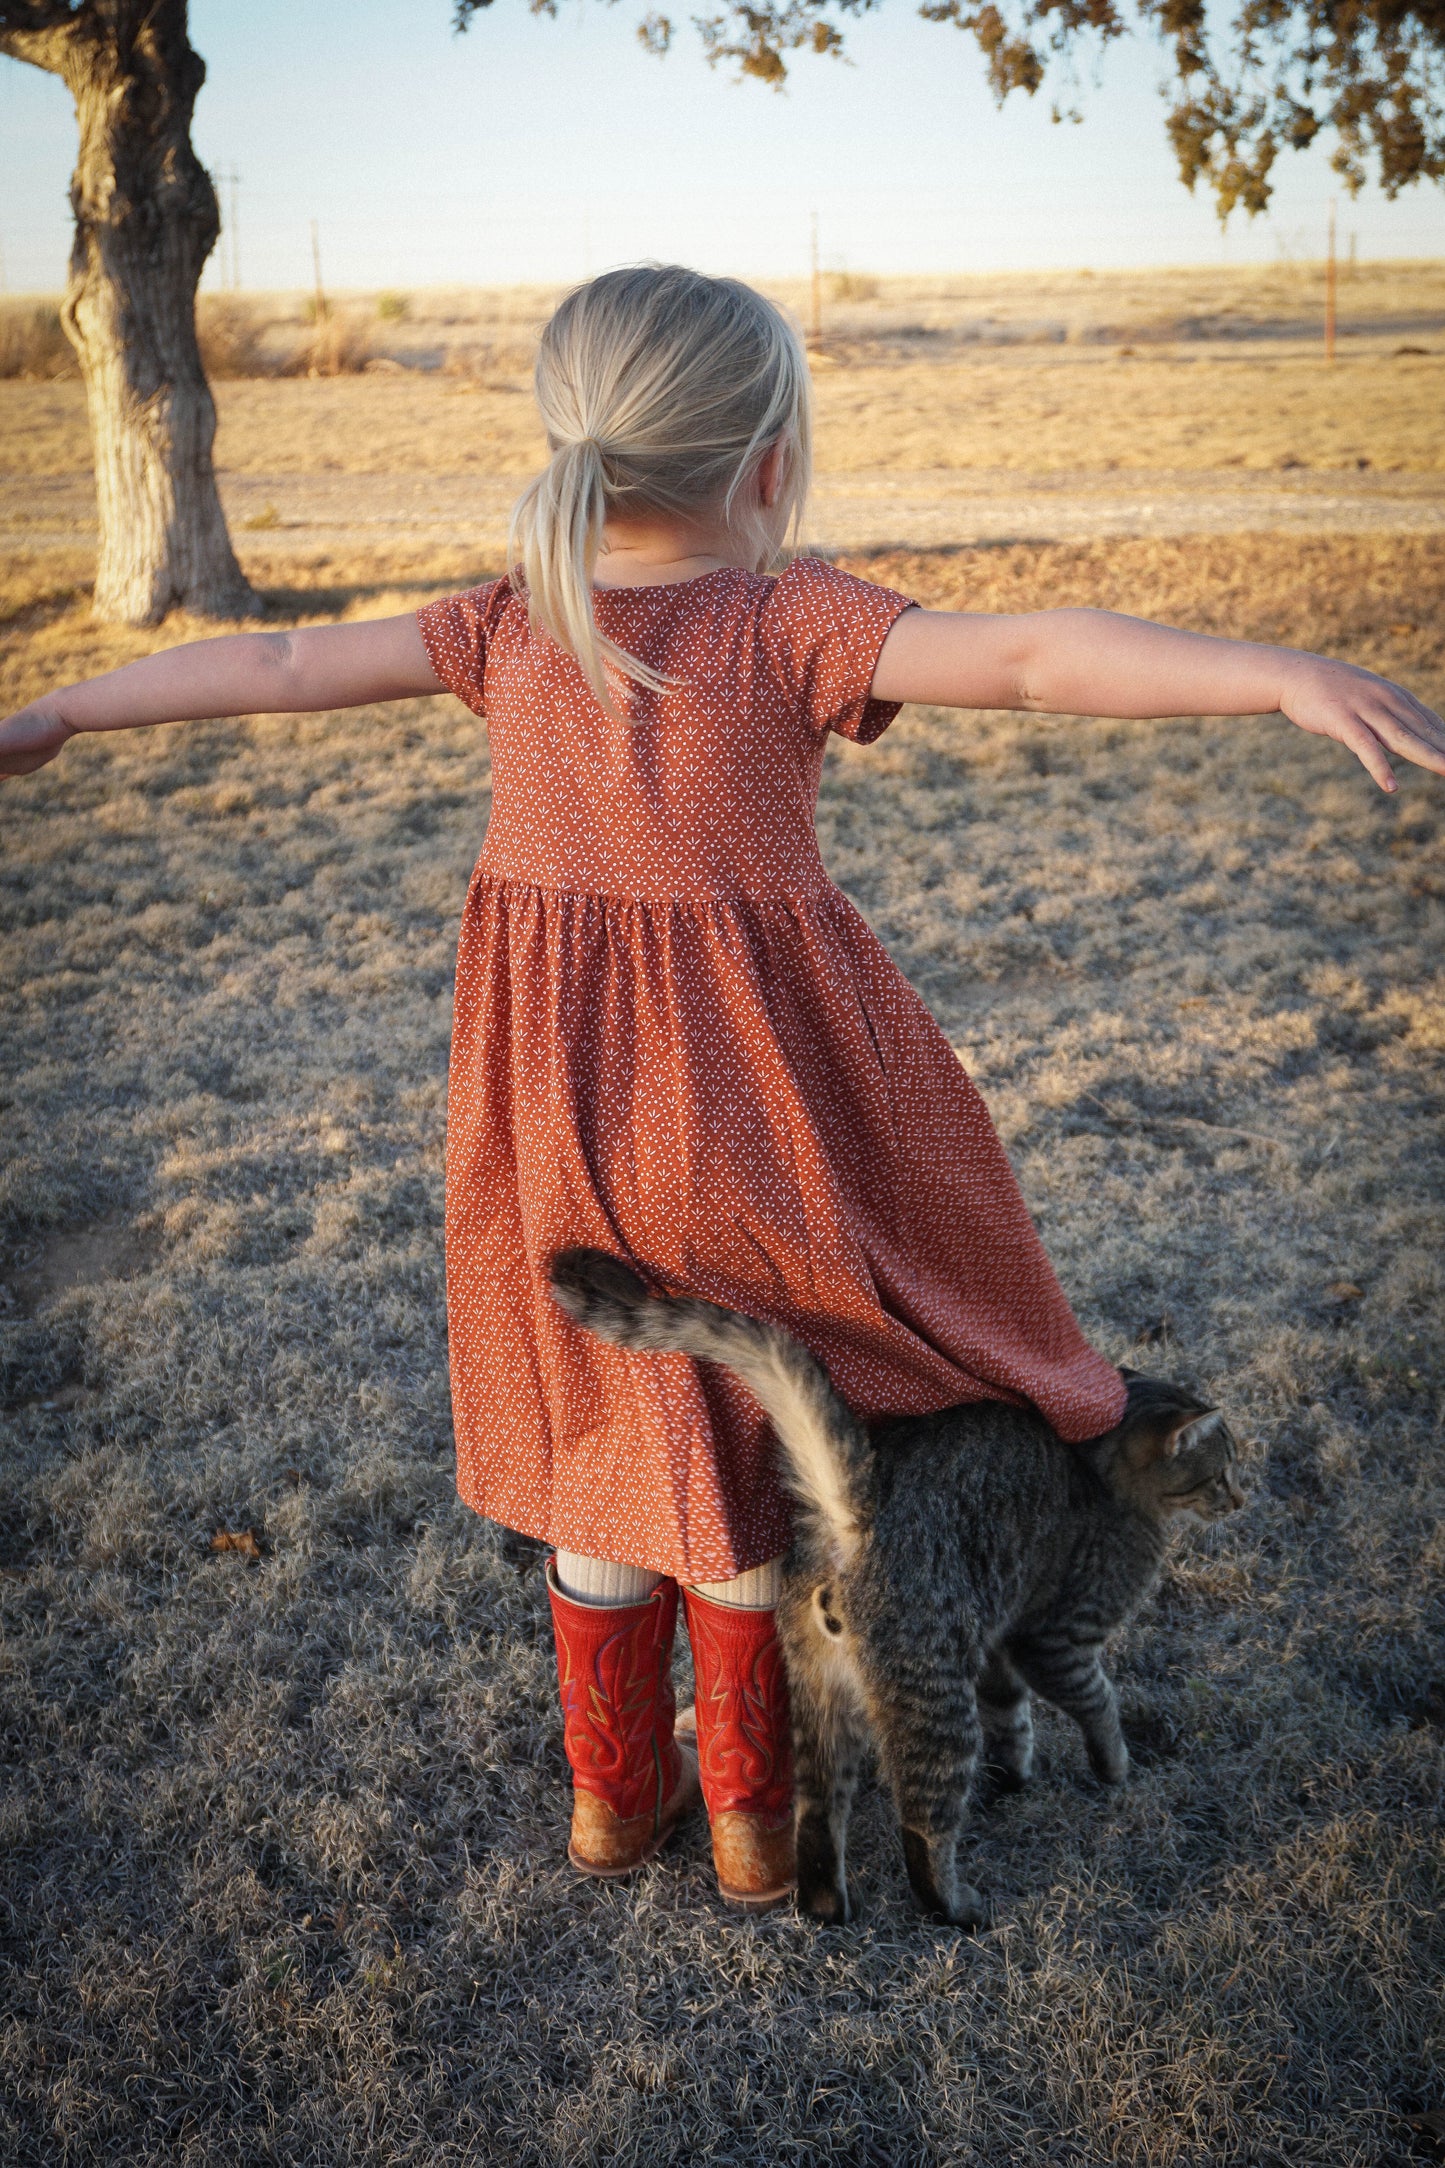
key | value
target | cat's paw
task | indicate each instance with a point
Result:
(968, 1909)
(826, 1903)
(1109, 1760)
(1007, 1773)
(822, 1890)
(940, 1896)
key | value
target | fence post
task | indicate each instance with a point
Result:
(316, 267)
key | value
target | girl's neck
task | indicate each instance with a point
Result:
(637, 553)
(663, 552)
(656, 550)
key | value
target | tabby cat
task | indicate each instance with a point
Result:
(941, 1568)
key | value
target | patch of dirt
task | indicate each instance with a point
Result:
(35, 1273)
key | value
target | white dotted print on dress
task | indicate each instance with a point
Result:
(675, 1039)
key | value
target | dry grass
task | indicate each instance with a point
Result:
(1273, 303)
(230, 338)
(472, 331)
(240, 340)
(32, 343)
(1224, 372)
(237, 339)
(283, 1837)
(1027, 409)
(1049, 410)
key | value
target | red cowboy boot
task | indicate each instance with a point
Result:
(745, 1750)
(631, 1783)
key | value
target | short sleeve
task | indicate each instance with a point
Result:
(823, 629)
(456, 633)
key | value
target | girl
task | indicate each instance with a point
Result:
(675, 1040)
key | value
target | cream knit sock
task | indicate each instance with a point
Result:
(756, 1590)
(602, 1580)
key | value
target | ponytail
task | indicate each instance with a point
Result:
(659, 389)
(553, 543)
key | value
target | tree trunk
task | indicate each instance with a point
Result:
(145, 222)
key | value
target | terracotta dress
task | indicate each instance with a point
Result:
(676, 1040)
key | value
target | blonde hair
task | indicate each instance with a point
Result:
(659, 389)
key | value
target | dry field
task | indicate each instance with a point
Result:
(1029, 409)
(282, 1835)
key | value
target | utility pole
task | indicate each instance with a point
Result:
(228, 260)
(815, 333)
(1330, 289)
(234, 179)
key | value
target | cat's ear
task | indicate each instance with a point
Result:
(1164, 1433)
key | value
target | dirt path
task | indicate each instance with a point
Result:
(870, 508)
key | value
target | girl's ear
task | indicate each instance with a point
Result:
(773, 471)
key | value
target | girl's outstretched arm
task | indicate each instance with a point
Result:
(247, 673)
(1092, 662)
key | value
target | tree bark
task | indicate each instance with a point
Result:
(145, 221)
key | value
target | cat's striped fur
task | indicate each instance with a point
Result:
(942, 1567)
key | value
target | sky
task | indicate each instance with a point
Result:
(536, 148)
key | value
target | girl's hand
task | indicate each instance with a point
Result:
(1366, 713)
(30, 737)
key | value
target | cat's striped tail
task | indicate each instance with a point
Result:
(826, 1460)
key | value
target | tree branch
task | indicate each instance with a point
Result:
(1370, 72)
(39, 31)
